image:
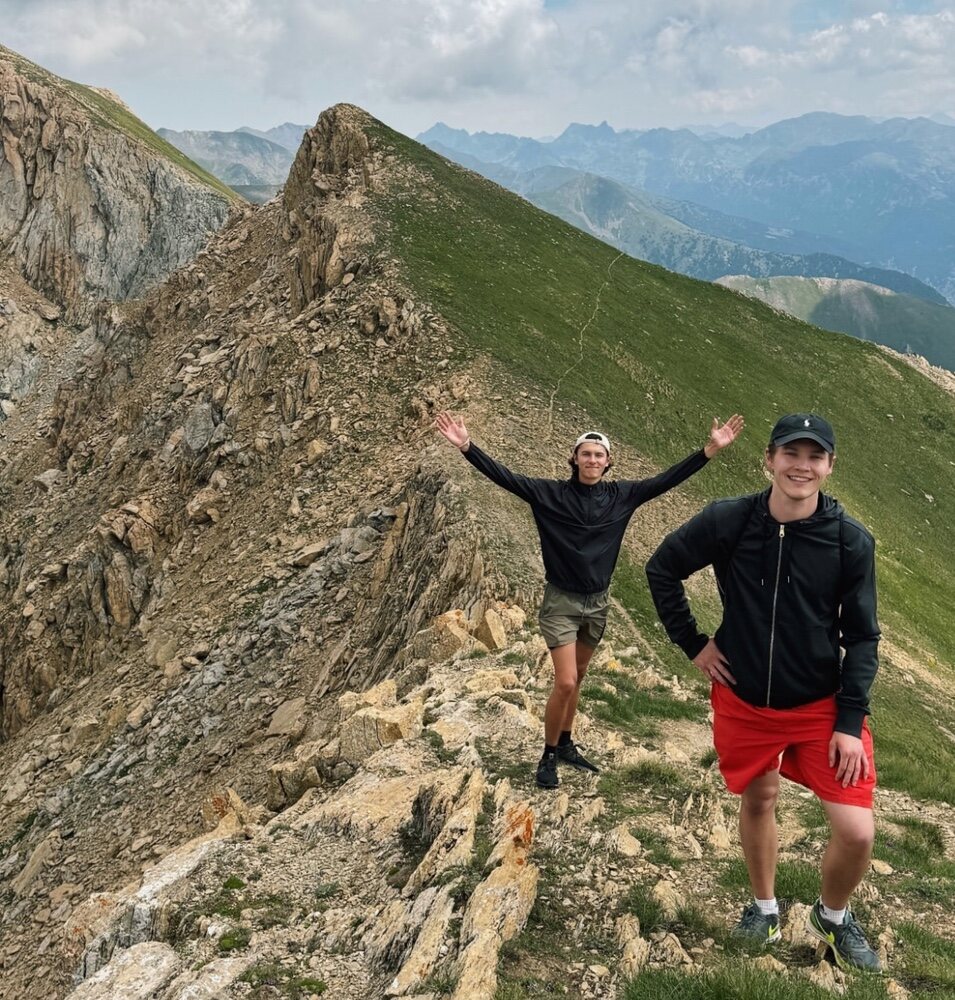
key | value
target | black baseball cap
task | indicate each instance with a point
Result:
(799, 426)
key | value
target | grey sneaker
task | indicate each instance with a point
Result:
(570, 754)
(547, 771)
(846, 941)
(757, 926)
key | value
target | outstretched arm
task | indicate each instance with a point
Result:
(454, 430)
(721, 436)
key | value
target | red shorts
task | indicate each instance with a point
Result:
(752, 741)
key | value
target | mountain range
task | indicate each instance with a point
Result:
(252, 162)
(881, 193)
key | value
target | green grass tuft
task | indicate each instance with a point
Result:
(795, 880)
(740, 981)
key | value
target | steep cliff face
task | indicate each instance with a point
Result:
(93, 204)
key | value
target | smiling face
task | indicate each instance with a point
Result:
(799, 470)
(592, 460)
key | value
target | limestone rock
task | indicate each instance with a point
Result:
(383, 695)
(427, 947)
(769, 963)
(370, 729)
(136, 973)
(490, 631)
(719, 838)
(636, 949)
(42, 853)
(309, 553)
(498, 908)
(453, 845)
(489, 681)
(513, 617)
(794, 928)
(895, 990)
(881, 867)
(670, 952)
(826, 977)
(49, 480)
(288, 782)
(622, 842)
(117, 217)
(669, 897)
(211, 981)
(454, 733)
(375, 806)
(446, 636)
(288, 720)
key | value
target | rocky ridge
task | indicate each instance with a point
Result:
(235, 513)
(90, 210)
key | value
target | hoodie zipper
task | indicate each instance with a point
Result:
(772, 625)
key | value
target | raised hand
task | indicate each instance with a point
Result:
(453, 429)
(722, 435)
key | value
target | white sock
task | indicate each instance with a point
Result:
(833, 916)
(768, 907)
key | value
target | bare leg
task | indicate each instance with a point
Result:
(583, 654)
(758, 835)
(564, 691)
(848, 852)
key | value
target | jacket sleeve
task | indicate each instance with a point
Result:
(642, 490)
(521, 486)
(859, 632)
(684, 551)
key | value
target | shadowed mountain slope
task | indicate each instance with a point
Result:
(864, 310)
(94, 204)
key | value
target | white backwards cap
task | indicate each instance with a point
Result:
(594, 436)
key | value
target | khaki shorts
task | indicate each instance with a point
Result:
(566, 617)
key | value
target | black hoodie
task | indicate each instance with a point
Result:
(792, 595)
(581, 527)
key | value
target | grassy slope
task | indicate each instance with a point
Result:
(902, 322)
(112, 116)
(662, 355)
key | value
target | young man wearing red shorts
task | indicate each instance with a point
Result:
(796, 576)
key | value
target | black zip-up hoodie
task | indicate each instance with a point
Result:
(792, 595)
(581, 527)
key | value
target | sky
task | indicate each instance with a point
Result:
(524, 66)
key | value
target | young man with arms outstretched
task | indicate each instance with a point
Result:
(796, 576)
(581, 522)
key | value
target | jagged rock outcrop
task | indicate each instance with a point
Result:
(89, 207)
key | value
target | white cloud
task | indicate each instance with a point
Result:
(517, 65)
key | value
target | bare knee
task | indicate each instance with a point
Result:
(564, 687)
(852, 826)
(760, 798)
(858, 838)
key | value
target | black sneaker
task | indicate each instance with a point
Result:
(846, 941)
(754, 925)
(569, 754)
(547, 771)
